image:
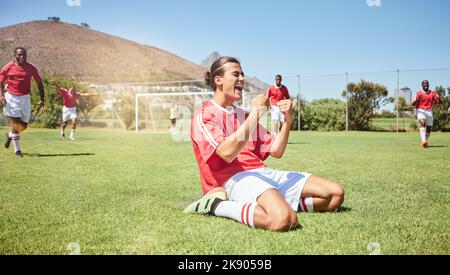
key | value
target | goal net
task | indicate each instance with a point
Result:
(169, 108)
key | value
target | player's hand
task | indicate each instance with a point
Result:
(41, 105)
(286, 108)
(260, 103)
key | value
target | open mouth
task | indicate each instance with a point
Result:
(239, 88)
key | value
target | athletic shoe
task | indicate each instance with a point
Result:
(425, 144)
(19, 154)
(63, 136)
(71, 138)
(8, 141)
(207, 204)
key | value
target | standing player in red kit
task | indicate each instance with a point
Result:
(276, 93)
(424, 102)
(15, 89)
(69, 110)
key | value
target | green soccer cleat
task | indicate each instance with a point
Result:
(206, 205)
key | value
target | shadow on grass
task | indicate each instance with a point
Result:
(437, 146)
(58, 155)
(343, 209)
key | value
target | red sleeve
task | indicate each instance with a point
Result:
(286, 96)
(4, 73)
(268, 93)
(263, 143)
(61, 91)
(207, 133)
(416, 97)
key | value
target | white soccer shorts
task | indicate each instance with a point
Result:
(247, 186)
(276, 113)
(425, 114)
(69, 113)
(18, 106)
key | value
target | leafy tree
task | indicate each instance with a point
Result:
(441, 112)
(125, 109)
(363, 98)
(87, 103)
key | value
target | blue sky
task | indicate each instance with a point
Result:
(290, 37)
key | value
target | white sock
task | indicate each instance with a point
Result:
(305, 204)
(16, 141)
(72, 132)
(242, 212)
(62, 131)
(423, 132)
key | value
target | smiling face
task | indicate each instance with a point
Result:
(21, 56)
(278, 80)
(425, 85)
(232, 82)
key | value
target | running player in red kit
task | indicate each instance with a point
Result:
(424, 102)
(15, 89)
(69, 98)
(276, 93)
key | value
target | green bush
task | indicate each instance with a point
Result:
(324, 115)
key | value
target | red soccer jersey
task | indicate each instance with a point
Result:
(426, 102)
(276, 94)
(69, 100)
(18, 78)
(211, 125)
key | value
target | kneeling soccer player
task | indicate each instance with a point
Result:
(230, 146)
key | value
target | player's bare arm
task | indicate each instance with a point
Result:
(233, 144)
(2, 91)
(279, 145)
(41, 94)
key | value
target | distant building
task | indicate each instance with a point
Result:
(406, 93)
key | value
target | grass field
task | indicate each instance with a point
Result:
(390, 124)
(117, 192)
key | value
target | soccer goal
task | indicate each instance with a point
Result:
(168, 111)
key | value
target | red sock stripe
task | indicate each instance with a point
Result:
(247, 210)
(304, 204)
(244, 213)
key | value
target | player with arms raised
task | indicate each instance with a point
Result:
(230, 146)
(69, 111)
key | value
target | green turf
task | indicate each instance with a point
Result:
(117, 192)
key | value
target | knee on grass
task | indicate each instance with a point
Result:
(336, 198)
(282, 221)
